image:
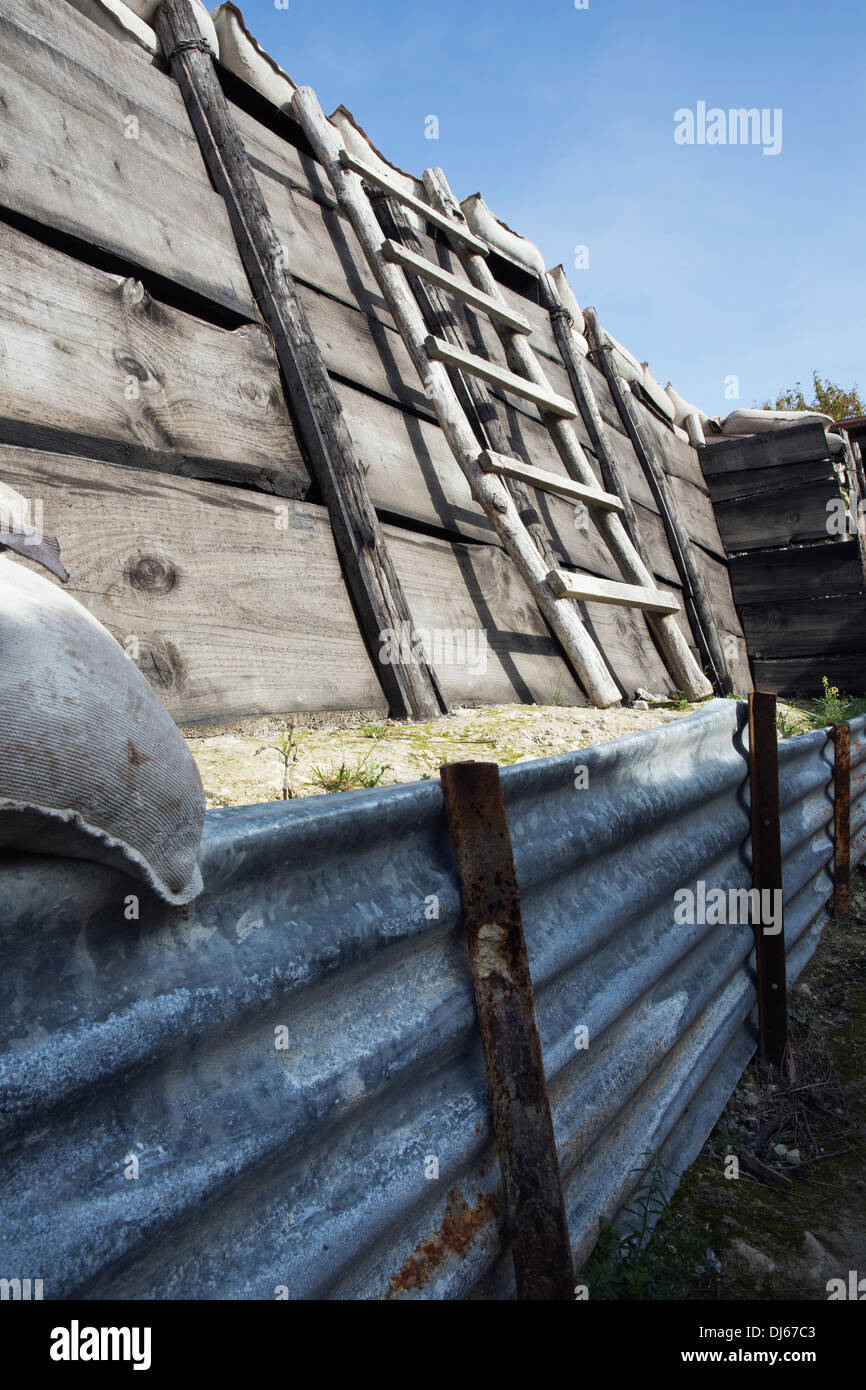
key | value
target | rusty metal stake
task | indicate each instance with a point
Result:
(767, 876)
(532, 1189)
(842, 822)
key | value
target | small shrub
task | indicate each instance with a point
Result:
(286, 750)
(642, 1263)
(345, 778)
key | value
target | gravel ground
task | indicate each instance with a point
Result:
(381, 752)
(241, 765)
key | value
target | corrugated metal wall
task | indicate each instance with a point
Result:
(307, 1166)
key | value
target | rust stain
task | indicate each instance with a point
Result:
(460, 1225)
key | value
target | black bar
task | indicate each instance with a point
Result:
(767, 875)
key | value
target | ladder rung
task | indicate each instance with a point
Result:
(391, 187)
(584, 586)
(494, 308)
(548, 482)
(499, 376)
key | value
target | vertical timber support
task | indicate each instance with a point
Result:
(767, 878)
(841, 822)
(531, 1184)
(581, 386)
(694, 588)
(410, 687)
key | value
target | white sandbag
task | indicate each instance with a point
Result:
(91, 764)
(146, 10)
(684, 408)
(568, 297)
(625, 365)
(487, 225)
(695, 431)
(120, 22)
(358, 143)
(241, 53)
(760, 421)
(657, 394)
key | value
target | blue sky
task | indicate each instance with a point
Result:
(706, 260)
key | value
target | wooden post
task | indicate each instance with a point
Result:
(703, 620)
(521, 358)
(614, 478)
(410, 686)
(767, 876)
(534, 1206)
(841, 822)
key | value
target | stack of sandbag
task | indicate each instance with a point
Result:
(741, 422)
(91, 764)
(689, 417)
(241, 53)
(487, 225)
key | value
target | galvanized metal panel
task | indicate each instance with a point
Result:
(308, 1166)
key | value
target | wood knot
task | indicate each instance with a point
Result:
(151, 574)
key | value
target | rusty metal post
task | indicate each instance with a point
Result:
(841, 822)
(522, 1124)
(767, 876)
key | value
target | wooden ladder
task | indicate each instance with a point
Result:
(491, 473)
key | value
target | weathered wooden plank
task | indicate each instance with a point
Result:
(433, 272)
(468, 588)
(380, 604)
(650, 454)
(615, 478)
(788, 444)
(86, 155)
(823, 627)
(506, 380)
(785, 516)
(93, 364)
(548, 482)
(810, 571)
(727, 487)
(698, 515)
(802, 675)
(717, 580)
(412, 473)
(568, 584)
(231, 603)
(680, 459)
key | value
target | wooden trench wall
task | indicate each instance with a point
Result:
(142, 406)
(788, 505)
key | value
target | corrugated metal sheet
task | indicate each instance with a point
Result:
(308, 1166)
